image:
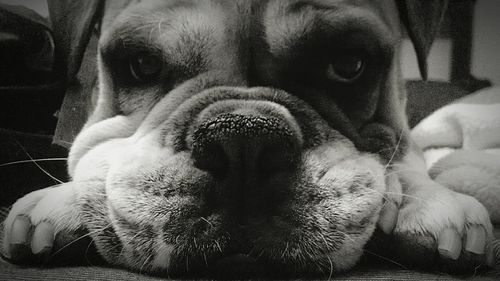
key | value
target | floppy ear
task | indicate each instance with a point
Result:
(422, 19)
(73, 22)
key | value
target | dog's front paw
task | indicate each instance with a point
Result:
(444, 229)
(41, 224)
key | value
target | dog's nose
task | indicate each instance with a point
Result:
(244, 146)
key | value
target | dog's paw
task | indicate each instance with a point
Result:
(41, 224)
(441, 228)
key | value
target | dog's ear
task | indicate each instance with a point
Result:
(422, 19)
(73, 22)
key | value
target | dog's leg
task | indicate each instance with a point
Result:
(438, 226)
(42, 223)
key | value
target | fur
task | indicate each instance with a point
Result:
(137, 186)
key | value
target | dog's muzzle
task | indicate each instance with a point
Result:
(242, 144)
(250, 179)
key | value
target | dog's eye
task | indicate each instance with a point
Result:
(145, 67)
(346, 68)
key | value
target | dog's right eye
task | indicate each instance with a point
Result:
(145, 67)
(346, 68)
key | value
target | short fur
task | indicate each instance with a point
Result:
(137, 186)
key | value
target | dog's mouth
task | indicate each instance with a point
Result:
(233, 186)
(270, 247)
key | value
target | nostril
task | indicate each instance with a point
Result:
(244, 144)
(210, 157)
(277, 158)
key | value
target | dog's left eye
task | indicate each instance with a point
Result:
(145, 67)
(345, 68)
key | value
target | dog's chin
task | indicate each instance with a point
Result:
(269, 247)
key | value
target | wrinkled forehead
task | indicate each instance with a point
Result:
(385, 8)
(121, 12)
(171, 20)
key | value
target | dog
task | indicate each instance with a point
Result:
(250, 137)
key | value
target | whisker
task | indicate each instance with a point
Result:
(140, 232)
(329, 260)
(395, 151)
(284, 251)
(383, 193)
(80, 238)
(39, 167)
(331, 267)
(118, 245)
(87, 252)
(218, 246)
(385, 258)
(146, 260)
(32, 160)
(374, 254)
(207, 221)
(160, 22)
(205, 258)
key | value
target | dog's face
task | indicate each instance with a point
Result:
(240, 135)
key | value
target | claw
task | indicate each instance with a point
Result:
(388, 217)
(450, 244)
(20, 230)
(43, 238)
(476, 240)
(20, 236)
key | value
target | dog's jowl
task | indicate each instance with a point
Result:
(257, 137)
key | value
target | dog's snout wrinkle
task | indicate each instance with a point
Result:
(244, 144)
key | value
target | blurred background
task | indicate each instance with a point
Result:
(485, 43)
